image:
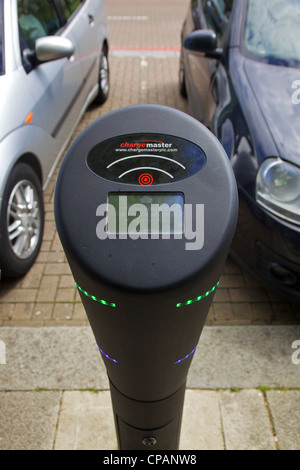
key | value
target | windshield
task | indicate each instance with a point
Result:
(272, 31)
(1, 39)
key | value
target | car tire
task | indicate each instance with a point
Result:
(182, 86)
(21, 222)
(103, 77)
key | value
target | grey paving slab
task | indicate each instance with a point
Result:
(285, 411)
(68, 358)
(52, 358)
(86, 422)
(246, 421)
(28, 420)
(201, 421)
(245, 357)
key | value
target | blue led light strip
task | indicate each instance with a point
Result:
(192, 301)
(107, 356)
(185, 357)
(100, 301)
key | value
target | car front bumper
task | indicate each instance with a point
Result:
(268, 247)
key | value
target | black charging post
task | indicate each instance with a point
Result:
(146, 208)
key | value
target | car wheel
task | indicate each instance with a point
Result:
(103, 77)
(21, 221)
(182, 87)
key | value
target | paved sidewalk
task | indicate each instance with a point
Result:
(243, 391)
(212, 420)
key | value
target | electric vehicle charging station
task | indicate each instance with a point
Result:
(146, 208)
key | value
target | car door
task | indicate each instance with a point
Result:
(55, 85)
(88, 35)
(213, 15)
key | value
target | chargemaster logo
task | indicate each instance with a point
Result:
(151, 216)
(145, 144)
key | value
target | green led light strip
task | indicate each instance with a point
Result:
(192, 301)
(104, 302)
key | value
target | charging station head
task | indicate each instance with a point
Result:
(146, 200)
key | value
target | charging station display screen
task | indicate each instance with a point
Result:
(146, 159)
(141, 213)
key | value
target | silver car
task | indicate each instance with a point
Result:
(53, 64)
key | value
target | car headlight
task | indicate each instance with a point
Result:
(278, 189)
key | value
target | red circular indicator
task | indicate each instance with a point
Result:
(145, 179)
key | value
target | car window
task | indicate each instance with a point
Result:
(69, 7)
(37, 19)
(1, 39)
(272, 31)
(217, 14)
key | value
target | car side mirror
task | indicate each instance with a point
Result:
(203, 42)
(52, 48)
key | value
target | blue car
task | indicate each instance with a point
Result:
(240, 69)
